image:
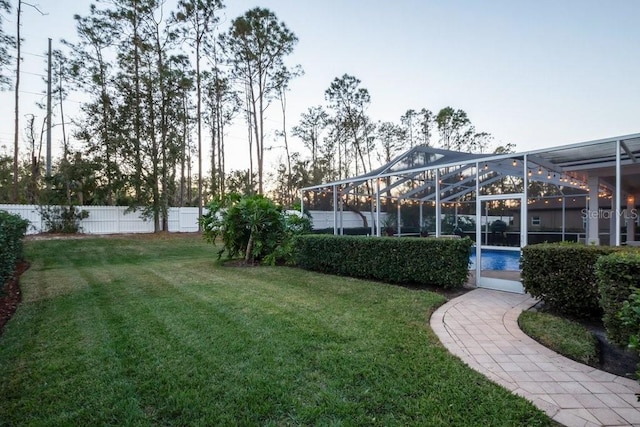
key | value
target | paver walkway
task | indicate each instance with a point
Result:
(481, 327)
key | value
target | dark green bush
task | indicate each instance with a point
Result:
(630, 316)
(62, 219)
(12, 230)
(617, 275)
(440, 262)
(563, 275)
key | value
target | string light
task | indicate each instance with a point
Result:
(529, 173)
(515, 163)
(539, 171)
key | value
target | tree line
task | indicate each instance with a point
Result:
(162, 88)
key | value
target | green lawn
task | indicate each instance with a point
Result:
(151, 331)
(564, 336)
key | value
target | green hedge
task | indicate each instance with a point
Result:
(12, 230)
(440, 262)
(630, 316)
(563, 275)
(617, 275)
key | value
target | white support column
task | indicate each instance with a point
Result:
(302, 204)
(631, 215)
(478, 226)
(524, 210)
(399, 227)
(593, 226)
(612, 222)
(486, 224)
(341, 200)
(335, 210)
(618, 209)
(378, 228)
(455, 214)
(438, 206)
(564, 214)
(421, 216)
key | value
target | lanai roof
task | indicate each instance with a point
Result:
(567, 166)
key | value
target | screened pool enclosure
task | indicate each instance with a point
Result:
(583, 192)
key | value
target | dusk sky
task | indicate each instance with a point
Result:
(535, 74)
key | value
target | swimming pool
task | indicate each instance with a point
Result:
(495, 259)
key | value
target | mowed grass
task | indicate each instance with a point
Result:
(152, 331)
(567, 337)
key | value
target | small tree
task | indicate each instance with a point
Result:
(252, 226)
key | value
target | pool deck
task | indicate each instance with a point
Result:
(481, 327)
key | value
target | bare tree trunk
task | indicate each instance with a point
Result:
(220, 145)
(183, 157)
(256, 132)
(154, 158)
(138, 113)
(17, 105)
(260, 141)
(283, 103)
(64, 131)
(189, 195)
(214, 172)
(163, 138)
(199, 121)
(250, 136)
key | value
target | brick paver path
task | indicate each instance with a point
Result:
(481, 327)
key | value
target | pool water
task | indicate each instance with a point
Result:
(493, 259)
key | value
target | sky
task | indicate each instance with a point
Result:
(532, 73)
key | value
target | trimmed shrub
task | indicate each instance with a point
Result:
(563, 275)
(440, 262)
(630, 316)
(12, 230)
(617, 275)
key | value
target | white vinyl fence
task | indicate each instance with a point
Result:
(324, 219)
(111, 219)
(116, 219)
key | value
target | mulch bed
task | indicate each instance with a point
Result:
(10, 295)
